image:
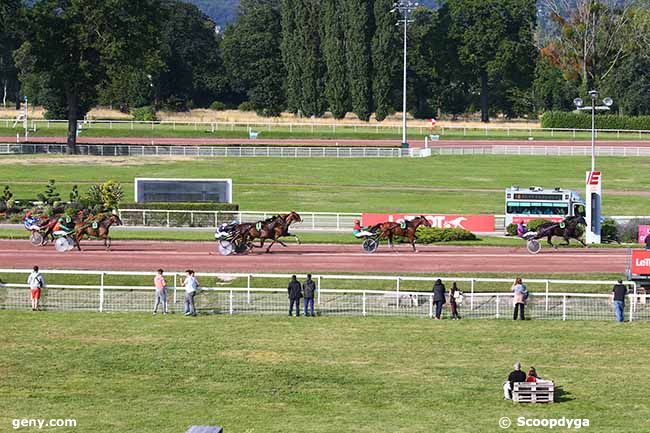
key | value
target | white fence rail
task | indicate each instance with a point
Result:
(331, 299)
(385, 128)
(208, 151)
(311, 221)
(211, 151)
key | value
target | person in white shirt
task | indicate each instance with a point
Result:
(191, 286)
(36, 282)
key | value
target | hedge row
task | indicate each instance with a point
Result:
(181, 206)
(561, 119)
(426, 235)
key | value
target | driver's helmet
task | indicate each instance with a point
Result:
(28, 214)
(357, 222)
(234, 222)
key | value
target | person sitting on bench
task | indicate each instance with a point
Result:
(532, 375)
(515, 376)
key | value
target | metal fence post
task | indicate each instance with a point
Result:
(564, 307)
(101, 292)
(318, 289)
(471, 299)
(248, 286)
(363, 304)
(497, 307)
(430, 306)
(175, 275)
(397, 291)
(230, 302)
(547, 284)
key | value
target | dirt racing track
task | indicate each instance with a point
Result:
(202, 256)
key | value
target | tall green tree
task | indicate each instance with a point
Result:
(495, 40)
(10, 15)
(74, 42)
(290, 42)
(385, 58)
(333, 45)
(358, 35)
(312, 70)
(252, 57)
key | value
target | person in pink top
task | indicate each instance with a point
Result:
(161, 292)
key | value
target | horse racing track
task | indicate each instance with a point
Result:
(203, 257)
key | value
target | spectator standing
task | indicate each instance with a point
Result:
(309, 289)
(191, 286)
(161, 292)
(515, 376)
(295, 293)
(36, 282)
(439, 297)
(454, 294)
(520, 296)
(619, 291)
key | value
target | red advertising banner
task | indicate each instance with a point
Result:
(473, 223)
(641, 262)
(644, 231)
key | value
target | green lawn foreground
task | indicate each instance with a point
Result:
(442, 184)
(137, 373)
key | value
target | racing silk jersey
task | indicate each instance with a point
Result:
(357, 228)
(521, 230)
(29, 222)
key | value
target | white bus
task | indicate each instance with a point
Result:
(536, 202)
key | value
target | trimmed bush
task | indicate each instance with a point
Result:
(181, 206)
(609, 231)
(572, 120)
(426, 235)
(144, 114)
(533, 225)
(217, 106)
(511, 229)
(246, 106)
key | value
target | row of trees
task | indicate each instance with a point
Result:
(513, 57)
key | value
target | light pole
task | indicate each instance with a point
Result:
(594, 178)
(405, 8)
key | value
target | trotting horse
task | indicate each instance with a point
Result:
(567, 229)
(272, 228)
(406, 229)
(96, 227)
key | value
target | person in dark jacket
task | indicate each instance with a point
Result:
(453, 295)
(619, 291)
(439, 297)
(309, 289)
(295, 293)
(647, 242)
(515, 376)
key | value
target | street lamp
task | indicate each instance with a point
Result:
(594, 178)
(406, 9)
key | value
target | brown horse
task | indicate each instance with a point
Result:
(406, 229)
(96, 227)
(272, 228)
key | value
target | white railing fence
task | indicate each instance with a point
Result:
(211, 151)
(206, 151)
(332, 128)
(330, 300)
(311, 221)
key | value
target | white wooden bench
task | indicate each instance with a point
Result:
(533, 392)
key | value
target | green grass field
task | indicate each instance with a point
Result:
(297, 131)
(136, 373)
(444, 184)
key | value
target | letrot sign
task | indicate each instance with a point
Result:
(641, 262)
(473, 223)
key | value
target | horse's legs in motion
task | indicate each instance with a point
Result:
(107, 244)
(413, 244)
(77, 240)
(551, 243)
(268, 250)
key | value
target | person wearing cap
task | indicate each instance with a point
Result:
(521, 229)
(359, 231)
(515, 376)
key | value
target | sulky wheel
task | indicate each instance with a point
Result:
(36, 239)
(533, 246)
(370, 245)
(61, 244)
(226, 248)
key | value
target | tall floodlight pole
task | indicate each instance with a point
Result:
(405, 8)
(594, 178)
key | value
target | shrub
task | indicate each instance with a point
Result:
(629, 232)
(50, 195)
(533, 225)
(561, 119)
(426, 235)
(511, 230)
(144, 114)
(609, 231)
(246, 106)
(217, 106)
(182, 206)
